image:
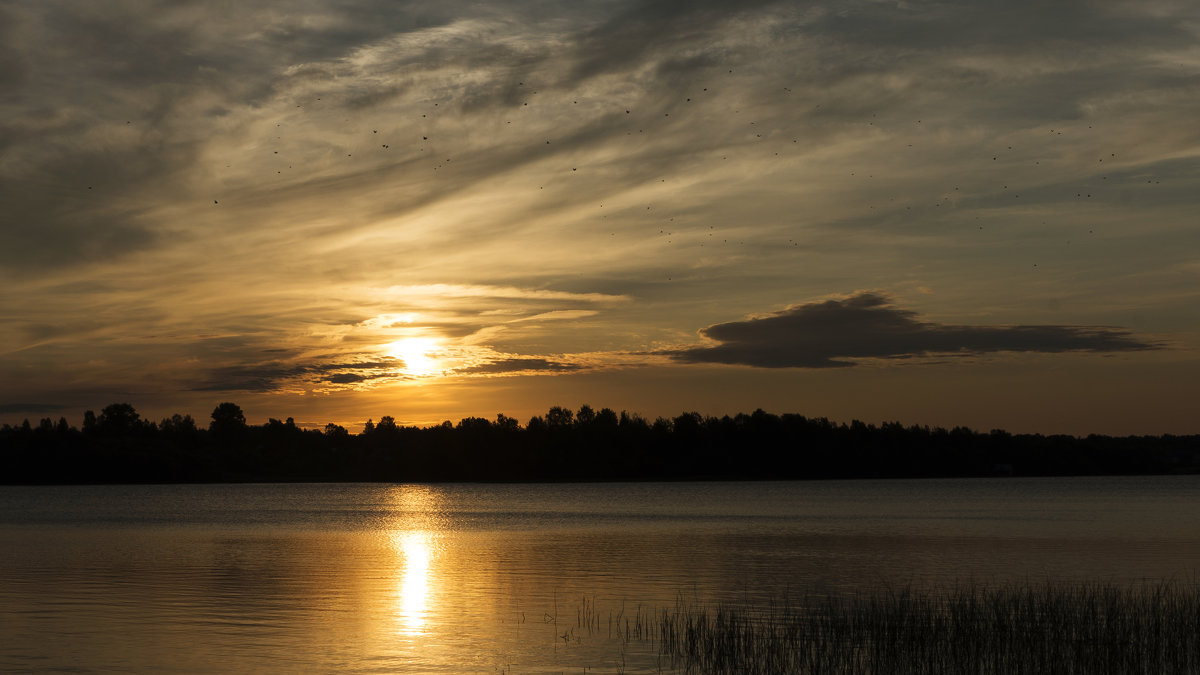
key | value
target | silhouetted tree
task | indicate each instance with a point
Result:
(586, 416)
(633, 421)
(178, 424)
(606, 418)
(506, 423)
(559, 417)
(117, 419)
(227, 418)
(687, 424)
(476, 425)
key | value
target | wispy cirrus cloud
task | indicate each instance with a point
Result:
(440, 291)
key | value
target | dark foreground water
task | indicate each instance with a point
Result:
(493, 578)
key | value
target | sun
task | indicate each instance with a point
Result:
(414, 351)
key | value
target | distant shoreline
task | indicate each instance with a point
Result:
(563, 446)
(584, 481)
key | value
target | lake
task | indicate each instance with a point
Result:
(466, 578)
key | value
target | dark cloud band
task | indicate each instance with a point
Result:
(827, 334)
(270, 376)
(516, 365)
(31, 407)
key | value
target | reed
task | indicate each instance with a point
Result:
(1086, 628)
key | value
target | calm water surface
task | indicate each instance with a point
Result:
(492, 578)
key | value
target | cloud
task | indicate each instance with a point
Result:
(866, 325)
(6, 408)
(557, 315)
(77, 206)
(272, 376)
(12, 66)
(519, 364)
(354, 378)
(505, 292)
(353, 373)
(266, 377)
(1019, 25)
(629, 39)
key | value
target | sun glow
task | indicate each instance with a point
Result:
(414, 351)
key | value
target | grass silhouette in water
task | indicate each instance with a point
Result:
(1087, 628)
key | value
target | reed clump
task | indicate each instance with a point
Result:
(1087, 628)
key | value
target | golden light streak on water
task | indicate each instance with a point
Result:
(414, 543)
(412, 602)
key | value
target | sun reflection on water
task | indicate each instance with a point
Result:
(413, 599)
(414, 541)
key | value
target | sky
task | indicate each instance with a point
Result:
(975, 213)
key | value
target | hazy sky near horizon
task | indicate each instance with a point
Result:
(980, 213)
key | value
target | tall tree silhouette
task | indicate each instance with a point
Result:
(227, 418)
(117, 419)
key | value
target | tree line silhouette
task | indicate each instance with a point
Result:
(118, 446)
